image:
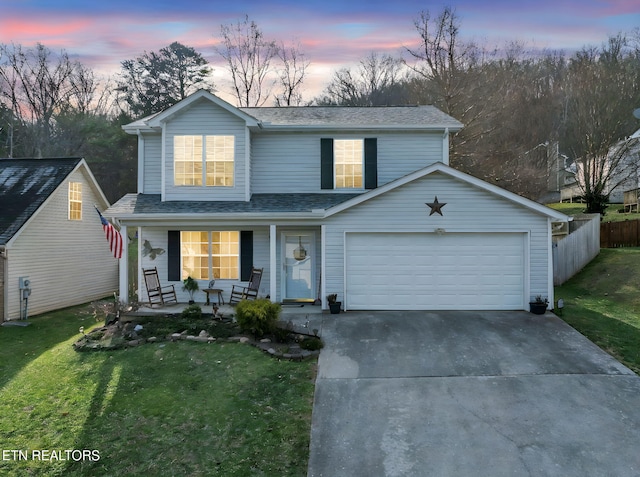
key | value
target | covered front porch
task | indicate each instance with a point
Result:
(291, 257)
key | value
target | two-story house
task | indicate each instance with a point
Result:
(355, 201)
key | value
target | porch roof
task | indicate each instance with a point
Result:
(150, 206)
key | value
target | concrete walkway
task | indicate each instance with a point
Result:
(470, 394)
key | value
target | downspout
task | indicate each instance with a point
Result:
(445, 147)
(5, 272)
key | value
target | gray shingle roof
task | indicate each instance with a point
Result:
(24, 186)
(354, 117)
(326, 117)
(137, 204)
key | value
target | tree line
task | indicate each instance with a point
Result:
(523, 110)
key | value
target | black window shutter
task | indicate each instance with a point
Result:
(326, 163)
(370, 163)
(173, 256)
(246, 254)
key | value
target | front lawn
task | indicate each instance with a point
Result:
(603, 303)
(179, 409)
(612, 213)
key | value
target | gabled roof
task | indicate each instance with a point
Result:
(156, 120)
(313, 117)
(25, 184)
(440, 167)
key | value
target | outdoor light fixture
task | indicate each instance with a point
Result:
(300, 253)
(560, 307)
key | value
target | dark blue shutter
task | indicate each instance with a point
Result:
(173, 256)
(370, 163)
(326, 163)
(246, 254)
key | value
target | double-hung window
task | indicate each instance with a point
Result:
(348, 159)
(207, 160)
(207, 255)
(349, 163)
(75, 201)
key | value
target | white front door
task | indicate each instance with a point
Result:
(298, 281)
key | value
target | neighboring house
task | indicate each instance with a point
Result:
(355, 201)
(626, 175)
(51, 235)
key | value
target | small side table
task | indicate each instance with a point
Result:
(217, 291)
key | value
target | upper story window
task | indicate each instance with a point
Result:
(75, 201)
(348, 159)
(349, 163)
(199, 160)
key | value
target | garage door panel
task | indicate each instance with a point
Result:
(429, 271)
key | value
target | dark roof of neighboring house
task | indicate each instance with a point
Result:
(24, 186)
(134, 204)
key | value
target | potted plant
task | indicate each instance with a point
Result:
(539, 305)
(334, 304)
(190, 285)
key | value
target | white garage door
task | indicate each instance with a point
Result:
(427, 271)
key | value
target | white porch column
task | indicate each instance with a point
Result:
(273, 275)
(123, 284)
(323, 271)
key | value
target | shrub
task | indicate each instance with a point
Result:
(258, 316)
(192, 312)
(311, 344)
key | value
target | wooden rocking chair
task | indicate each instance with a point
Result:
(158, 295)
(248, 292)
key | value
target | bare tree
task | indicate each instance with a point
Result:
(376, 81)
(292, 74)
(248, 56)
(604, 89)
(35, 85)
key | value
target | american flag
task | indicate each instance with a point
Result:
(113, 236)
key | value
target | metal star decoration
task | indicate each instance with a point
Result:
(436, 207)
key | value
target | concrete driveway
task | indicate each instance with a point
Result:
(470, 394)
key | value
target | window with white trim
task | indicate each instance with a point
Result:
(75, 201)
(206, 255)
(207, 160)
(348, 162)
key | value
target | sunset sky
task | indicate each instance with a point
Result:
(332, 33)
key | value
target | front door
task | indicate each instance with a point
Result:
(299, 274)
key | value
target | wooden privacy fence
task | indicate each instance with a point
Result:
(620, 234)
(574, 251)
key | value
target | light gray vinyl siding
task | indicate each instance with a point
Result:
(291, 162)
(67, 261)
(467, 209)
(152, 172)
(206, 119)
(157, 237)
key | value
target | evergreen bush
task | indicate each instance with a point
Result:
(258, 317)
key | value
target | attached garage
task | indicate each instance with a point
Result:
(432, 271)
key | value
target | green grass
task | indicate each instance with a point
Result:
(175, 409)
(611, 213)
(603, 303)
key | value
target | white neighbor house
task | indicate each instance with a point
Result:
(367, 193)
(51, 233)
